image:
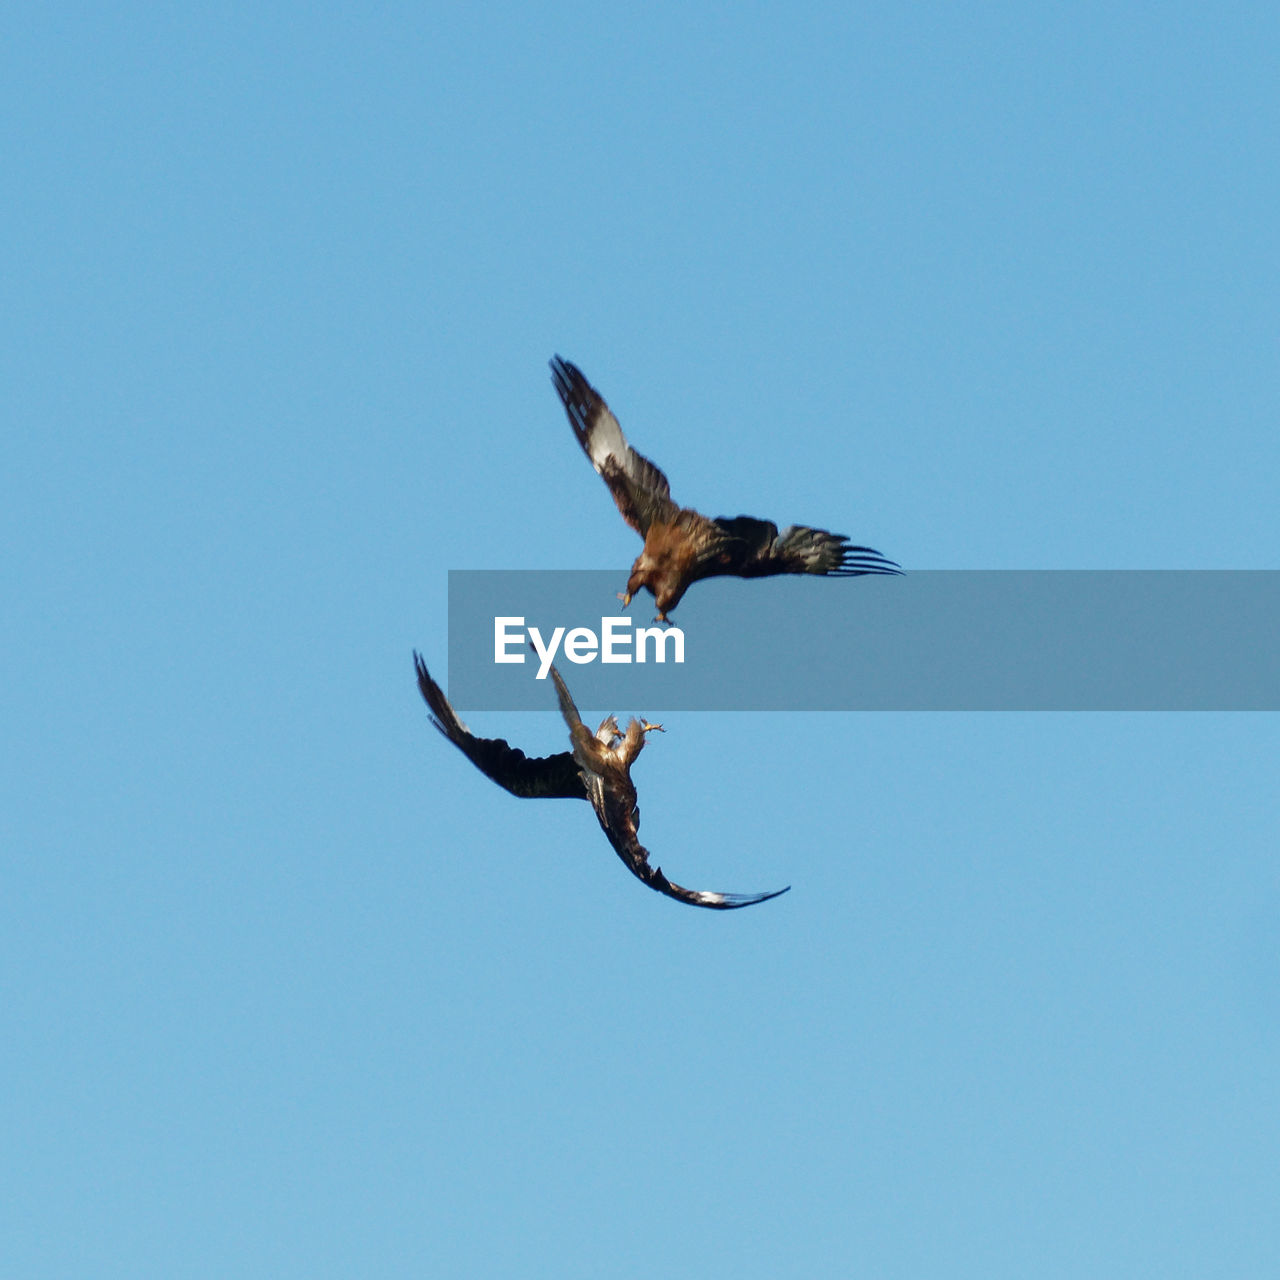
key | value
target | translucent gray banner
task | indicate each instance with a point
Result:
(1033, 640)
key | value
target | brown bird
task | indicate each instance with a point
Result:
(598, 769)
(680, 545)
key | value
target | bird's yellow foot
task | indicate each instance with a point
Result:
(651, 728)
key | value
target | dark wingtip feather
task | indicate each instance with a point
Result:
(734, 900)
(442, 714)
(712, 899)
(426, 686)
(891, 571)
(856, 561)
(567, 378)
(576, 395)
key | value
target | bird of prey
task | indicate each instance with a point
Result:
(598, 769)
(682, 546)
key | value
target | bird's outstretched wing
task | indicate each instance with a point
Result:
(638, 487)
(621, 822)
(613, 797)
(553, 777)
(755, 549)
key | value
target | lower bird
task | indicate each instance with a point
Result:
(598, 769)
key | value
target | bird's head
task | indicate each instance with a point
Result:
(640, 572)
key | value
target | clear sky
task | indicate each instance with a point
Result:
(287, 988)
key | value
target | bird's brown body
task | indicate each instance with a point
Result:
(668, 565)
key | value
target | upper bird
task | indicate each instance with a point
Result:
(680, 545)
(598, 769)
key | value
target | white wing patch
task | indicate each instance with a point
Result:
(605, 440)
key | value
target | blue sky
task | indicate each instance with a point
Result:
(289, 989)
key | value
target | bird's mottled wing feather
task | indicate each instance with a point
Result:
(755, 549)
(638, 487)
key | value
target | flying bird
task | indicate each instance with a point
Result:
(682, 546)
(598, 769)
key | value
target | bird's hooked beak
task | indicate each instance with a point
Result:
(625, 597)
